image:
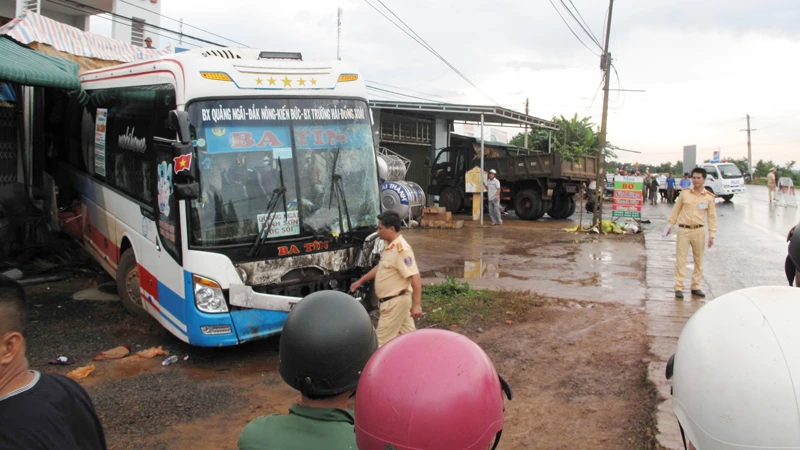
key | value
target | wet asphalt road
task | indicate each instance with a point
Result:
(749, 250)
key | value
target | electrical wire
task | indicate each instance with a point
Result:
(102, 11)
(111, 19)
(426, 46)
(571, 30)
(409, 90)
(584, 28)
(185, 24)
(374, 88)
(588, 108)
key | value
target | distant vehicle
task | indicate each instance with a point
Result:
(532, 183)
(724, 180)
(747, 177)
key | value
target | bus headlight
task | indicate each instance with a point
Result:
(208, 296)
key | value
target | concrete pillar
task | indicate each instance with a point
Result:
(82, 23)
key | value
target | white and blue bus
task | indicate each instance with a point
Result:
(220, 186)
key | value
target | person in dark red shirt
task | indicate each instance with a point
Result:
(38, 411)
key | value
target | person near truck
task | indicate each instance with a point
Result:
(693, 208)
(326, 342)
(771, 185)
(662, 187)
(653, 189)
(493, 192)
(396, 281)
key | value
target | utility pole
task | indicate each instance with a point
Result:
(526, 125)
(605, 65)
(749, 152)
(338, 33)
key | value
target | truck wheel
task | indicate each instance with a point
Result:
(727, 198)
(573, 205)
(528, 205)
(450, 199)
(709, 189)
(560, 208)
(128, 284)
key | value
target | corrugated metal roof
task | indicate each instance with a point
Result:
(492, 115)
(19, 64)
(31, 27)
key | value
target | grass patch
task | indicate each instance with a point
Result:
(453, 304)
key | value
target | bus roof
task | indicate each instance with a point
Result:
(234, 72)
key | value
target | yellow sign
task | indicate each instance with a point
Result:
(473, 180)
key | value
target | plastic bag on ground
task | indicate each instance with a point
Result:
(152, 352)
(81, 372)
(115, 353)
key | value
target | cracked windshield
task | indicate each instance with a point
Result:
(303, 167)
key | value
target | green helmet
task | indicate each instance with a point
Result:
(327, 340)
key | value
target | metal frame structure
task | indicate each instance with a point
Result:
(496, 115)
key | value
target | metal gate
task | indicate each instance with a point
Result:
(8, 145)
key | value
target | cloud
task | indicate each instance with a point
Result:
(536, 65)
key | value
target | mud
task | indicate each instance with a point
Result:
(540, 258)
(576, 366)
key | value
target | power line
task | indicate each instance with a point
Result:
(110, 19)
(427, 46)
(409, 90)
(177, 33)
(185, 24)
(571, 30)
(600, 85)
(584, 28)
(374, 88)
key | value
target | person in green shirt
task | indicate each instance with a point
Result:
(327, 340)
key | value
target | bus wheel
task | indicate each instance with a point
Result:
(128, 284)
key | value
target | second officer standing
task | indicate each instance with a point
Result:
(397, 280)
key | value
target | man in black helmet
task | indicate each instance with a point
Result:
(792, 265)
(326, 342)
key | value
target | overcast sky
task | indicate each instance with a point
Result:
(703, 64)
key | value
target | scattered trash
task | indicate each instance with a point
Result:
(61, 361)
(81, 372)
(644, 221)
(115, 353)
(171, 360)
(186, 358)
(436, 310)
(152, 352)
(481, 330)
(666, 230)
(509, 322)
(13, 274)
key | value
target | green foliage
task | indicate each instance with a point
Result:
(448, 289)
(575, 138)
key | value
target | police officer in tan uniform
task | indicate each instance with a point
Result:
(396, 281)
(689, 213)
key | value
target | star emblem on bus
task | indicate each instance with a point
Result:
(313, 82)
(259, 81)
(286, 81)
(301, 81)
(272, 81)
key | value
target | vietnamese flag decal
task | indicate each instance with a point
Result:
(183, 162)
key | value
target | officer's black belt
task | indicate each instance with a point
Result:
(386, 299)
(691, 227)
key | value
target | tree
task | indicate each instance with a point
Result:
(575, 138)
(762, 167)
(537, 140)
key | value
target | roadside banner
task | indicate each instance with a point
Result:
(628, 197)
(786, 192)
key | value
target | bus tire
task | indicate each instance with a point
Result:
(128, 284)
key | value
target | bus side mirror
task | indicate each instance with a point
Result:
(187, 191)
(179, 122)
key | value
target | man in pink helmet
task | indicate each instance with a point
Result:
(430, 390)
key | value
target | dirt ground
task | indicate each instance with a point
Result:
(577, 368)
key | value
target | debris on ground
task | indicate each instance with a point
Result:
(171, 360)
(152, 352)
(81, 372)
(13, 274)
(61, 361)
(115, 353)
(186, 358)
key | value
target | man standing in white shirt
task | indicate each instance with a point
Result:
(493, 191)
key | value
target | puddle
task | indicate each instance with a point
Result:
(472, 270)
(602, 256)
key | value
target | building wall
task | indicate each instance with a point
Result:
(149, 14)
(8, 8)
(417, 173)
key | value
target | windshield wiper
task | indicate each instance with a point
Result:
(337, 189)
(278, 195)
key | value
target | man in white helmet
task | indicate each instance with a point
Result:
(735, 370)
(493, 195)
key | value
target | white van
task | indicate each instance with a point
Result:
(724, 179)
